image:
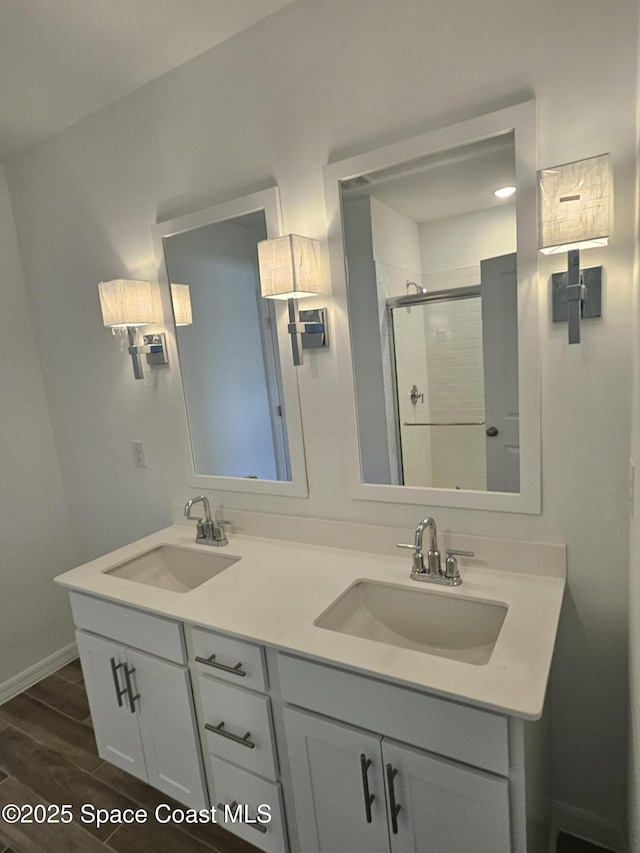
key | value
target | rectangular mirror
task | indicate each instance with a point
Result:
(242, 429)
(433, 252)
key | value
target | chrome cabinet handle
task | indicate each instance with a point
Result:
(257, 826)
(127, 677)
(220, 730)
(114, 671)
(365, 764)
(211, 661)
(394, 807)
(492, 432)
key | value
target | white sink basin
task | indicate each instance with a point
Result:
(176, 569)
(464, 629)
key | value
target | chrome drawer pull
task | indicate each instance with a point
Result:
(394, 807)
(211, 661)
(234, 805)
(219, 730)
(127, 677)
(114, 671)
(365, 764)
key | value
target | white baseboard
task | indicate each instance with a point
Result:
(26, 679)
(585, 825)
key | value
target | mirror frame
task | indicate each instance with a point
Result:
(269, 202)
(521, 120)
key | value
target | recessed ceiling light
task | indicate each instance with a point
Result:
(505, 192)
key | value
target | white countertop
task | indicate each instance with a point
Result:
(273, 594)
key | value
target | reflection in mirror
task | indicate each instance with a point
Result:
(229, 355)
(431, 259)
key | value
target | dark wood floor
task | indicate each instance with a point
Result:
(569, 844)
(48, 755)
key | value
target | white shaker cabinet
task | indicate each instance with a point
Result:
(443, 806)
(234, 707)
(338, 783)
(141, 705)
(359, 792)
(116, 729)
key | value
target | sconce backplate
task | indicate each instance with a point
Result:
(314, 328)
(592, 304)
(157, 349)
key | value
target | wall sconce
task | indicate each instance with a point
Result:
(181, 300)
(290, 269)
(127, 304)
(575, 211)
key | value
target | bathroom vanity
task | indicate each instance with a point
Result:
(272, 674)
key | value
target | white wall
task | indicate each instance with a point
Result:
(465, 240)
(396, 253)
(368, 364)
(633, 792)
(221, 352)
(35, 540)
(316, 82)
(396, 238)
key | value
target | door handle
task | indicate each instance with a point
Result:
(365, 764)
(492, 432)
(234, 805)
(114, 672)
(232, 670)
(394, 807)
(220, 730)
(129, 688)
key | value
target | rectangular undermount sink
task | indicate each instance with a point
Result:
(176, 569)
(447, 625)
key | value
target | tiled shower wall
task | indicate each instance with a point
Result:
(453, 333)
(446, 336)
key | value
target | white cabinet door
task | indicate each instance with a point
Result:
(115, 726)
(164, 711)
(442, 807)
(338, 786)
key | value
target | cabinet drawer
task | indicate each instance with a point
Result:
(235, 661)
(471, 735)
(248, 791)
(154, 634)
(242, 714)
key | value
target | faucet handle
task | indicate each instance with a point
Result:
(418, 559)
(451, 564)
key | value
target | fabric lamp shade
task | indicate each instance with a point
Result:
(126, 302)
(289, 267)
(575, 205)
(181, 299)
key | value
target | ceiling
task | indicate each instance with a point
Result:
(61, 60)
(450, 183)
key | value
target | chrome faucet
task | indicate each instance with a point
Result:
(432, 572)
(208, 531)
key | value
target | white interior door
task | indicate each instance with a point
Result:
(500, 349)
